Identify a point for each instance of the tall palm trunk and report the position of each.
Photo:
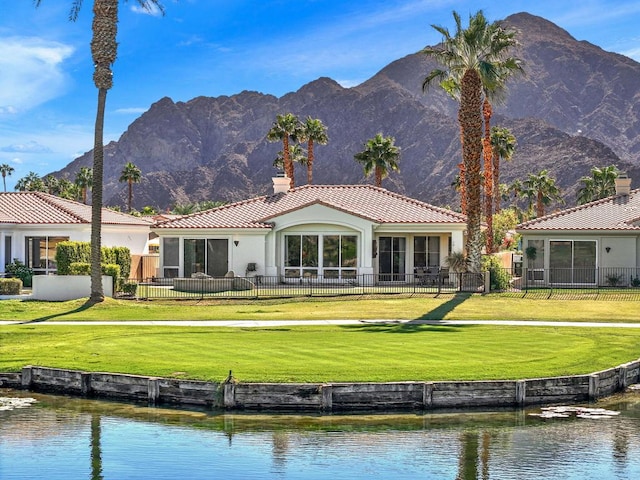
(309, 162)
(103, 51)
(496, 182)
(470, 119)
(130, 182)
(488, 173)
(288, 164)
(378, 176)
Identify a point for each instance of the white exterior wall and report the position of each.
(251, 248)
(134, 238)
(319, 219)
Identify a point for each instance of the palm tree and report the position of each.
(543, 188)
(130, 174)
(296, 155)
(503, 145)
(5, 170)
(104, 49)
(380, 155)
(286, 127)
(313, 131)
(601, 184)
(84, 181)
(31, 183)
(475, 61)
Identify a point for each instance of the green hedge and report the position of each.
(78, 254)
(10, 286)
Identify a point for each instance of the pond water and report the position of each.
(67, 438)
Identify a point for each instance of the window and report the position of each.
(7, 250)
(329, 256)
(301, 256)
(171, 257)
(572, 261)
(41, 253)
(340, 256)
(392, 264)
(206, 255)
(426, 252)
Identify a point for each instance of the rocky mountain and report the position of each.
(576, 107)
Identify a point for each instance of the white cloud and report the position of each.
(30, 72)
(632, 53)
(131, 110)
(149, 9)
(28, 147)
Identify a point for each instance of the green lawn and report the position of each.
(450, 307)
(323, 353)
(357, 353)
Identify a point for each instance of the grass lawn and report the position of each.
(450, 307)
(355, 353)
(328, 353)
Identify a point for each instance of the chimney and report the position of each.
(623, 184)
(281, 184)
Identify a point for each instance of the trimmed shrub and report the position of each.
(80, 268)
(10, 286)
(130, 288)
(113, 271)
(499, 278)
(69, 252)
(19, 270)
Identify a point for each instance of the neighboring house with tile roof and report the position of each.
(327, 232)
(32, 223)
(593, 244)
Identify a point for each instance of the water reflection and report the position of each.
(67, 438)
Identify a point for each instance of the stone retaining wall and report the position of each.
(327, 397)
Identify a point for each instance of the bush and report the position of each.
(499, 278)
(113, 271)
(80, 268)
(71, 252)
(79, 254)
(10, 286)
(130, 288)
(19, 270)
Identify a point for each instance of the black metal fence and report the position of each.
(263, 286)
(617, 283)
(561, 283)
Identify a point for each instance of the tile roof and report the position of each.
(372, 203)
(37, 208)
(616, 213)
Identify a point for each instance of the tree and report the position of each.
(380, 155)
(475, 61)
(31, 183)
(601, 184)
(5, 170)
(104, 49)
(84, 181)
(130, 174)
(296, 155)
(503, 145)
(313, 131)
(543, 188)
(286, 127)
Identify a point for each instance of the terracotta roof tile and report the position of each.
(618, 213)
(37, 208)
(365, 201)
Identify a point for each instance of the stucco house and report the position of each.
(323, 232)
(593, 244)
(32, 224)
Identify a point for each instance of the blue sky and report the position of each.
(222, 47)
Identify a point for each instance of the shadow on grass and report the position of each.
(85, 306)
(427, 322)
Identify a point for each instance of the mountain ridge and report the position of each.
(577, 106)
